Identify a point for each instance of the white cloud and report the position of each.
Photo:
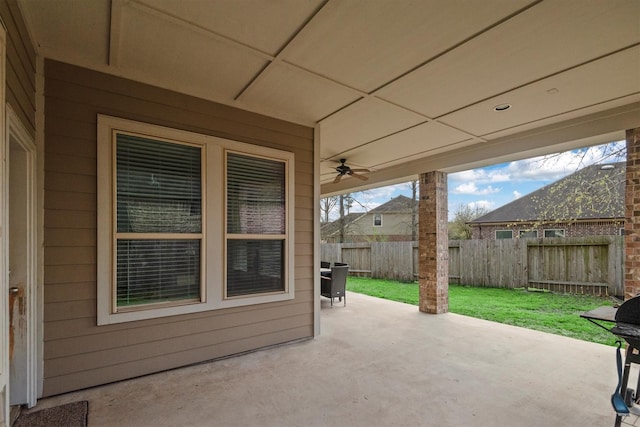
(482, 204)
(516, 194)
(471, 188)
(468, 188)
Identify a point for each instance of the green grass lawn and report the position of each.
(543, 311)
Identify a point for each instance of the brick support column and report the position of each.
(632, 214)
(433, 243)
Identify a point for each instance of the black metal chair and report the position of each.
(335, 286)
(325, 264)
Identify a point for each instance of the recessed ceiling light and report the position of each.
(502, 107)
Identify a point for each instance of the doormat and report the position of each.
(69, 415)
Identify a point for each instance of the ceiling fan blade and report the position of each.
(360, 170)
(337, 180)
(361, 177)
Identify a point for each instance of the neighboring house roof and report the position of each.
(397, 204)
(594, 192)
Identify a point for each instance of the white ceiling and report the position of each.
(397, 86)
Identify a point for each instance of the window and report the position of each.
(255, 225)
(524, 234)
(377, 220)
(158, 238)
(189, 222)
(554, 232)
(504, 234)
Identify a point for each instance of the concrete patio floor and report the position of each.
(378, 363)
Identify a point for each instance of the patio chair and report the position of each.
(325, 264)
(340, 264)
(335, 286)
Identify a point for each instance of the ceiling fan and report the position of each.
(346, 170)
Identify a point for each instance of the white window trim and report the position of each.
(213, 224)
(495, 236)
(374, 220)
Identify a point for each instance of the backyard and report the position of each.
(543, 311)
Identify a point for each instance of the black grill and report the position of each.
(627, 327)
(628, 322)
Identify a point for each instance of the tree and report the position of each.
(327, 205)
(583, 193)
(592, 192)
(337, 208)
(341, 219)
(458, 228)
(414, 210)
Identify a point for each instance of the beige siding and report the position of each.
(80, 354)
(20, 66)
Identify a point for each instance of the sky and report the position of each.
(494, 186)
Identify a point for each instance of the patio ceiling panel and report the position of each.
(365, 44)
(420, 141)
(182, 44)
(624, 106)
(57, 34)
(308, 97)
(558, 35)
(364, 121)
(595, 84)
(265, 25)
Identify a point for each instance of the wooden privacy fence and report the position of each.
(590, 265)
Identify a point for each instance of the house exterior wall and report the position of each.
(631, 207)
(77, 352)
(396, 227)
(20, 66)
(577, 229)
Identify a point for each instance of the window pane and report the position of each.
(255, 195)
(159, 186)
(554, 233)
(151, 271)
(254, 266)
(528, 234)
(504, 234)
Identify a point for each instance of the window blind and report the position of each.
(256, 205)
(255, 195)
(159, 195)
(254, 266)
(152, 271)
(159, 186)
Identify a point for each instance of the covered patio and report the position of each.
(112, 107)
(377, 363)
